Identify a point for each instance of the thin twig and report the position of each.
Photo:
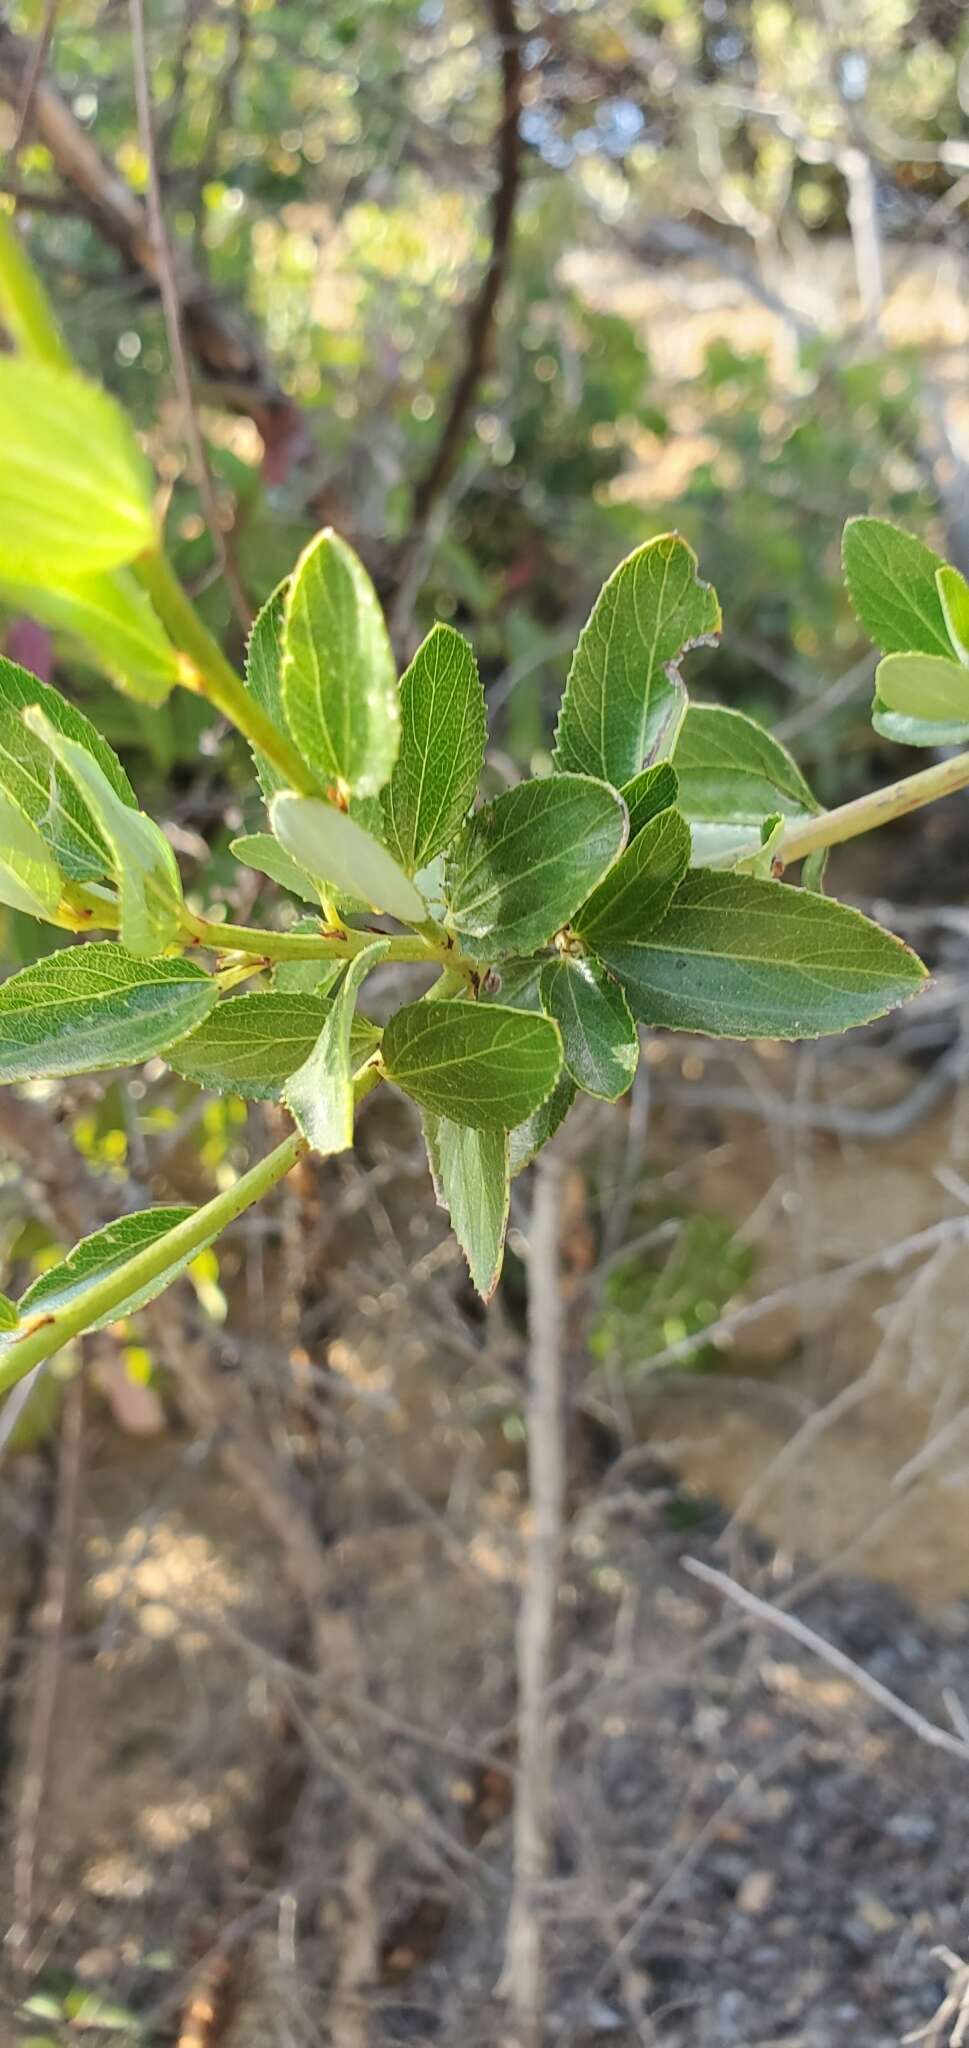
(789, 1625)
(35, 70)
(171, 305)
(483, 308)
(523, 1976)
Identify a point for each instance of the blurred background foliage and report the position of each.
(732, 300)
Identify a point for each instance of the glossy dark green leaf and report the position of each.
(737, 957)
(96, 1006)
(600, 1044)
(75, 489)
(344, 856)
(250, 1045)
(442, 739)
(925, 687)
(142, 862)
(472, 1182)
(637, 892)
(53, 804)
(339, 677)
(890, 579)
(624, 701)
(480, 1064)
(320, 1093)
(525, 862)
(528, 1137)
(732, 775)
(104, 1253)
(647, 794)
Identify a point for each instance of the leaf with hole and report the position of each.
(525, 862)
(890, 579)
(338, 675)
(442, 740)
(250, 1045)
(75, 489)
(738, 957)
(57, 810)
(343, 856)
(624, 701)
(637, 892)
(472, 1181)
(320, 1093)
(480, 1064)
(600, 1045)
(96, 1006)
(732, 775)
(142, 861)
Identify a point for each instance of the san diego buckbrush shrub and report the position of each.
(641, 883)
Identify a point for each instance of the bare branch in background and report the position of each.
(480, 318)
(523, 1976)
(32, 78)
(225, 352)
(168, 286)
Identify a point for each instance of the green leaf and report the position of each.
(600, 1043)
(261, 851)
(647, 794)
(111, 616)
(478, 1063)
(30, 879)
(737, 957)
(75, 489)
(9, 1317)
(890, 578)
(761, 861)
(954, 598)
(624, 701)
(144, 865)
(472, 1182)
(924, 687)
(103, 1253)
(732, 775)
(525, 862)
(442, 741)
(264, 664)
(320, 1093)
(917, 732)
(528, 1137)
(61, 816)
(96, 1006)
(344, 856)
(250, 1045)
(339, 678)
(637, 892)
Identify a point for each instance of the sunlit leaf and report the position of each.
(338, 677)
(75, 489)
(524, 863)
(442, 738)
(343, 856)
(890, 578)
(320, 1093)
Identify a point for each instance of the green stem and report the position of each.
(208, 671)
(24, 305)
(51, 1331)
(241, 938)
(865, 813)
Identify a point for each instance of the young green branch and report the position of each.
(880, 807)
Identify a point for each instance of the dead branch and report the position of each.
(789, 1625)
(480, 317)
